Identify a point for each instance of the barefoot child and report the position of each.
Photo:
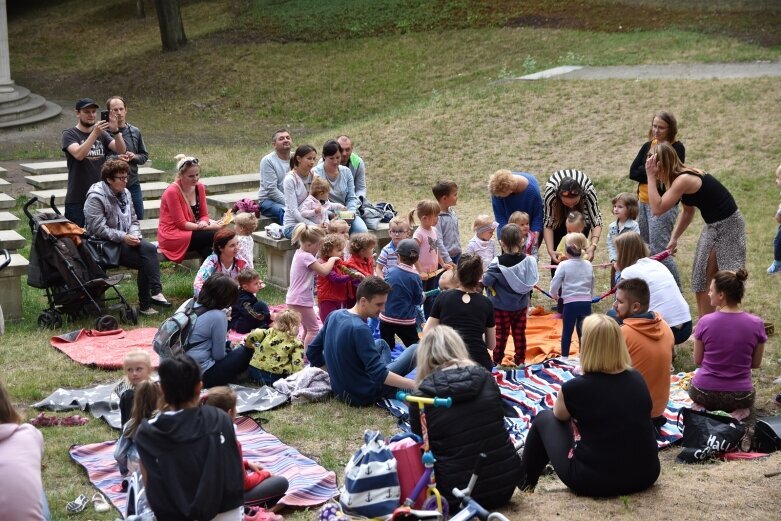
(245, 224)
(401, 309)
(300, 294)
(509, 280)
(528, 237)
(625, 208)
(260, 487)
(398, 227)
(482, 242)
(249, 313)
(574, 284)
(278, 351)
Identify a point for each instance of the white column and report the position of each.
(6, 83)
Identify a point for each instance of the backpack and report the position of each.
(371, 485)
(388, 211)
(173, 336)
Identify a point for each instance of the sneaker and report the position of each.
(148, 311)
(774, 268)
(160, 300)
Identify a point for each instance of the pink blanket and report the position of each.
(105, 349)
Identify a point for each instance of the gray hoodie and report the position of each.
(509, 287)
(105, 217)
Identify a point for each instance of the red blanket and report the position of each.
(105, 349)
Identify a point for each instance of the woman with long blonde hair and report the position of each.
(722, 242)
(473, 424)
(599, 436)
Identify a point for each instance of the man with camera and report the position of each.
(85, 147)
(136, 151)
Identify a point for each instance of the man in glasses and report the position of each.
(273, 169)
(85, 147)
(136, 153)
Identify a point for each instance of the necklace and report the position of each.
(466, 298)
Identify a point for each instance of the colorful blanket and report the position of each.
(528, 391)
(105, 349)
(102, 402)
(310, 484)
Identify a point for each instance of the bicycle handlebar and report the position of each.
(422, 400)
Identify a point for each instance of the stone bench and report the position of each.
(11, 287)
(54, 167)
(231, 183)
(60, 180)
(279, 254)
(151, 208)
(153, 190)
(6, 202)
(4, 185)
(8, 221)
(11, 240)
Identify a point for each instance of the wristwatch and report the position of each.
(115, 132)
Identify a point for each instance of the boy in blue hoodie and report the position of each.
(401, 309)
(509, 280)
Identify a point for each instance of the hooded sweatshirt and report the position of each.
(21, 450)
(105, 217)
(510, 279)
(458, 434)
(650, 344)
(193, 467)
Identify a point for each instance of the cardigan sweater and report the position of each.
(172, 236)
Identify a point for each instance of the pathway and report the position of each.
(680, 71)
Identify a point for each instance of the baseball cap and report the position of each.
(86, 102)
(408, 248)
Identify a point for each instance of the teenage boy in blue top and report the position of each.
(359, 367)
(401, 309)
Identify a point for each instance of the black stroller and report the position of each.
(62, 263)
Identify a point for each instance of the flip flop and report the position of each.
(45, 421)
(77, 505)
(71, 421)
(100, 503)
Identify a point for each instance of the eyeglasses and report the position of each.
(121, 178)
(398, 231)
(188, 163)
(569, 194)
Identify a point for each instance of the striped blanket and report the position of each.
(528, 391)
(310, 484)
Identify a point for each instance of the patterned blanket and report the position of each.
(528, 391)
(310, 484)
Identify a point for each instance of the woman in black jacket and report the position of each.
(473, 424)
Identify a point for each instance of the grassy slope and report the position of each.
(421, 105)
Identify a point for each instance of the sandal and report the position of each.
(71, 421)
(45, 421)
(100, 503)
(77, 505)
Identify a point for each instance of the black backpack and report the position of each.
(173, 335)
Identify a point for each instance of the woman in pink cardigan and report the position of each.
(184, 218)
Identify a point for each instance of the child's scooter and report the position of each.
(470, 508)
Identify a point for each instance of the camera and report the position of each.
(104, 115)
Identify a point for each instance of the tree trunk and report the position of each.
(140, 10)
(171, 26)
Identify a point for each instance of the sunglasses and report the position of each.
(187, 164)
(569, 194)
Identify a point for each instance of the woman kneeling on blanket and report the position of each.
(598, 437)
(190, 459)
(474, 423)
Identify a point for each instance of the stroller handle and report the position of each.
(421, 400)
(6, 258)
(27, 206)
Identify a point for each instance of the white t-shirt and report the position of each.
(666, 298)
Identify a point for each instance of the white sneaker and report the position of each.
(148, 311)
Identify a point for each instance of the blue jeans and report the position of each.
(682, 332)
(777, 246)
(403, 365)
(138, 200)
(358, 226)
(272, 210)
(75, 212)
(574, 313)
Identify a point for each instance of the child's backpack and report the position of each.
(371, 485)
(173, 336)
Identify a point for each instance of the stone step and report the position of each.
(35, 109)
(45, 167)
(231, 183)
(60, 180)
(6, 202)
(151, 208)
(4, 185)
(150, 191)
(3, 172)
(11, 240)
(11, 287)
(9, 221)
(149, 228)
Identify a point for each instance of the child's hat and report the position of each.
(408, 248)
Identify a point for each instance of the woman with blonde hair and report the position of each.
(473, 424)
(599, 436)
(722, 242)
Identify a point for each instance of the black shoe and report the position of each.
(159, 300)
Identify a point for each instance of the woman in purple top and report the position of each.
(728, 344)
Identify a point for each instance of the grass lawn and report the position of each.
(417, 92)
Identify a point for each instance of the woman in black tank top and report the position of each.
(722, 242)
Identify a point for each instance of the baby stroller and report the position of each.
(62, 263)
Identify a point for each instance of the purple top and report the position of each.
(729, 340)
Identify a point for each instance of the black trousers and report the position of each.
(408, 334)
(201, 243)
(144, 259)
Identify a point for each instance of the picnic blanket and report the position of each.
(528, 391)
(105, 349)
(103, 403)
(310, 484)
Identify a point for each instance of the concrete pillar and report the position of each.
(6, 83)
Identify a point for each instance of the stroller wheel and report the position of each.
(49, 320)
(129, 315)
(106, 323)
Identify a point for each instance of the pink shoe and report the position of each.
(260, 514)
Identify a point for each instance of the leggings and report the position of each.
(574, 313)
(225, 370)
(266, 493)
(407, 333)
(308, 321)
(505, 322)
(201, 242)
(325, 307)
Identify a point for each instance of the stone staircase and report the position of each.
(20, 107)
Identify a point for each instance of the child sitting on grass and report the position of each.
(398, 228)
(249, 313)
(245, 225)
(528, 237)
(316, 207)
(482, 242)
(574, 284)
(278, 351)
(138, 368)
(146, 401)
(401, 308)
(261, 489)
(509, 281)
